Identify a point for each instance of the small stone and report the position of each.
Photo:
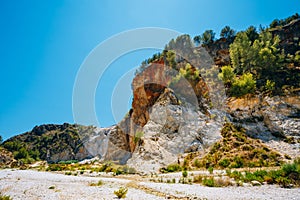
(255, 183)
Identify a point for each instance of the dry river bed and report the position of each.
(31, 184)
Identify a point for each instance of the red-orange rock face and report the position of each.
(147, 87)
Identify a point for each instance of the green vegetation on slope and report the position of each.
(44, 141)
(234, 150)
(258, 61)
(237, 150)
(287, 176)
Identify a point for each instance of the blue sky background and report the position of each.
(43, 44)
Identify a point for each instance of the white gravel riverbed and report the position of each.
(30, 184)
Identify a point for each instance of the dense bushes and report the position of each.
(287, 176)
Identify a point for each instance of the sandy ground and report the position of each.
(30, 184)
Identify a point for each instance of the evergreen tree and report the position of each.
(208, 37)
(227, 32)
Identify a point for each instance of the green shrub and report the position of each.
(118, 171)
(138, 136)
(238, 162)
(67, 161)
(224, 162)
(12, 145)
(128, 170)
(5, 197)
(287, 169)
(243, 85)
(121, 192)
(105, 167)
(251, 177)
(288, 175)
(283, 181)
(227, 75)
(99, 183)
(197, 163)
(210, 182)
(68, 173)
(54, 167)
(210, 170)
(21, 153)
(236, 175)
(171, 168)
(184, 173)
(270, 86)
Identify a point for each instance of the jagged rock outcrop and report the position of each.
(289, 36)
(107, 143)
(6, 158)
(173, 128)
(147, 87)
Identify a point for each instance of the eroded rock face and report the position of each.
(107, 144)
(283, 116)
(277, 115)
(271, 119)
(172, 129)
(147, 87)
(6, 158)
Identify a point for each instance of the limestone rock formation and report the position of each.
(172, 129)
(271, 119)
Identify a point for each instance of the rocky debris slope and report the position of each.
(274, 120)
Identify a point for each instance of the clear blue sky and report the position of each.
(43, 44)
